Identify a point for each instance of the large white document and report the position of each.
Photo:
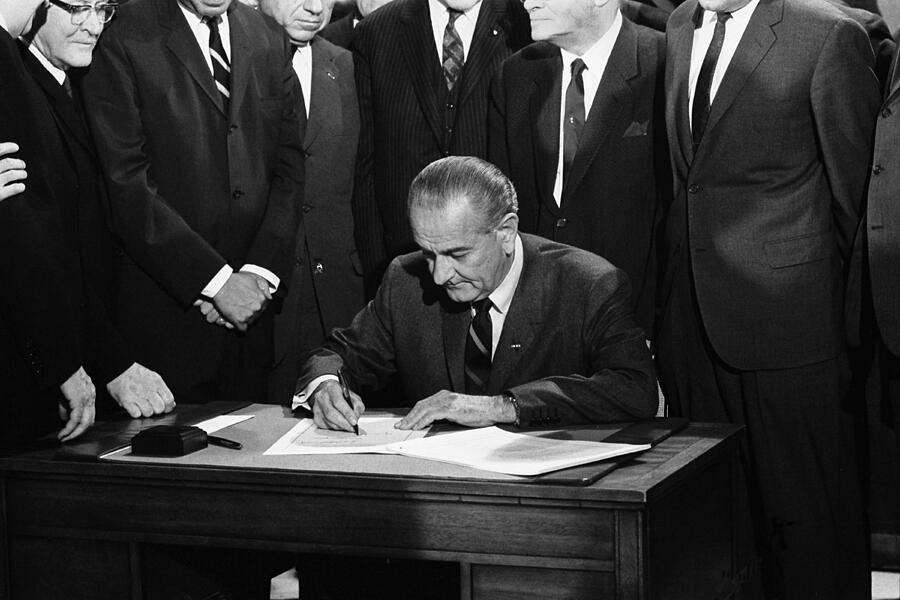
(375, 435)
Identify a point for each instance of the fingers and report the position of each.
(166, 395)
(423, 414)
(331, 411)
(81, 417)
(212, 316)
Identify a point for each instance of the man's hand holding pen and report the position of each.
(331, 410)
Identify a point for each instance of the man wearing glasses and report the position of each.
(54, 329)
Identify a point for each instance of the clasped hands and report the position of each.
(331, 411)
(241, 301)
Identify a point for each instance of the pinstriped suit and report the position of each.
(400, 85)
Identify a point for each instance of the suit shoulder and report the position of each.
(332, 50)
(384, 17)
(570, 265)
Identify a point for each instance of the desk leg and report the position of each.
(4, 547)
(465, 581)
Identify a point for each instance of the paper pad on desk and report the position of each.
(493, 449)
(376, 436)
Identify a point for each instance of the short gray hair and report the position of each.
(457, 178)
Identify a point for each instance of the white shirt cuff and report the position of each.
(266, 274)
(216, 284)
(302, 399)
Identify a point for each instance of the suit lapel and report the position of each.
(612, 96)
(755, 43)
(65, 111)
(893, 79)
(522, 322)
(544, 108)
(683, 42)
(241, 56)
(420, 55)
(324, 103)
(182, 43)
(485, 50)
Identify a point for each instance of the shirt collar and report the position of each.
(502, 296)
(58, 74)
(3, 23)
(438, 10)
(195, 20)
(597, 55)
(741, 15)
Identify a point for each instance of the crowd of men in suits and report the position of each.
(198, 202)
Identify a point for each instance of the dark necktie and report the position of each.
(700, 111)
(573, 122)
(220, 64)
(452, 57)
(67, 86)
(478, 348)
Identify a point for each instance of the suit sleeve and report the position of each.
(845, 99)
(368, 229)
(621, 384)
(273, 246)
(365, 349)
(154, 235)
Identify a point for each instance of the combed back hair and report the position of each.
(455, 178)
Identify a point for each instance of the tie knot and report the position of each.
(482, 306)
(721, 17)
(213, 22)
(454, 14)
(578, 67)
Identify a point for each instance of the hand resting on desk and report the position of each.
(331, 411)
(470, 411)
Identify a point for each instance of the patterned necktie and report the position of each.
(220, 64)
(452, 56)
(700, 111)
(478, 348)
(573, 122)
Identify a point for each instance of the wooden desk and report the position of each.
(659, 527)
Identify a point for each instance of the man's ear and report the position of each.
(507, 231)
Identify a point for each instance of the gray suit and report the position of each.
(325, 287)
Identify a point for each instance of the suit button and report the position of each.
(319, 268)
(450, 130)
(445, 153)
(877, 169)
(450, 106)
(560, 223)
(299, 261)
(307, 208)
(306, 154)
(695, 188)
(232, 128)
(237, 194)
(886, 113)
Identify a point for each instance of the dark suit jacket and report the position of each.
(579, 352)
(769, 205)
(43, 320)
(76, 161)
(882, 220)
(324, 252)
(193, 187)
(340, 32)
(610, 203)
(401, 99)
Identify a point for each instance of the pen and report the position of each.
(346, 392)
(224, 443)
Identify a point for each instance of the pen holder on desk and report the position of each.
(168, 440)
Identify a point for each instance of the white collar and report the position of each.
(502, 296)
(58, 74)
(596, 57)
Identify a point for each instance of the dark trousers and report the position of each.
(801, 491)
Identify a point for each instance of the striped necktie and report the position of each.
(452, 56)
(220, 64)
(703, 90)
(478, 348)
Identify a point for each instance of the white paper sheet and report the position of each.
(375, 435)
(500, 451)
(209, 426)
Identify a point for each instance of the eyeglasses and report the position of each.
(81, 12)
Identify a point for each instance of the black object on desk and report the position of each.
(169, 440)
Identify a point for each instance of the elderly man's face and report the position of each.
(564, 23)
(65, 43)
(206, 8)
(464, 259)
(301, 19)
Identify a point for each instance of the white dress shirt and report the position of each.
(501, 298)
(58, 74)
(595, 60)
(465, 26)
(201, 33)
(734, 30)
(302, 63)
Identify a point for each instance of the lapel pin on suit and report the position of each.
(494, 32)
(330, 74)
(515, 347)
